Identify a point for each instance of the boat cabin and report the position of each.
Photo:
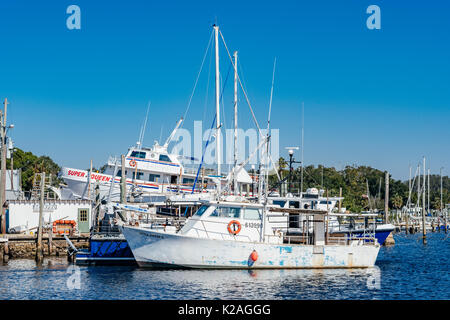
(245, 222)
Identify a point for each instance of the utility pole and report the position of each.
(39, 253)
(123, 182)
(424, 232)
(89, 185)
(3, 165)
(386, 197)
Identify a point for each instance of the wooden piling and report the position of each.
(5, 252)
(407, 223)
(50, 238)
(386, 198)
(39, 253)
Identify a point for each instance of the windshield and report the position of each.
(201, 211)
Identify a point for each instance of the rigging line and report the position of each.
(207, 86)
(203, 155)
(268, 117)
(221, 95)
(209, 137)
(248, 102)
(141, 140)
(196, 80)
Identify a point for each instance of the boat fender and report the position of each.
(254, 256)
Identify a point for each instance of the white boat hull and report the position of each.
(153, 248)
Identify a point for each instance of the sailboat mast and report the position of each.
(235, 55)
(303, 148)
(218, 142)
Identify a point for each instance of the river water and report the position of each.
(408, 270)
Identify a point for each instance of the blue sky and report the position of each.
(372, 97)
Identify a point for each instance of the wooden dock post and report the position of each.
(5, 254)
(407, 222)
(386, 198)
(39, 253)
(50, 235)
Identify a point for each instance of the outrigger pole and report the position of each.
(166, 144)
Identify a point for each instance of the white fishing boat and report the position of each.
(240, 235)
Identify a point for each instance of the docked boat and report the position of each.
(240, 234)
(151, 174)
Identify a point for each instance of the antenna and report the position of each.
(144, 125)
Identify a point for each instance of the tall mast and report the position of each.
(441, 207)
(218, 142)
(428, 195)
(409, 190)
(303, 148)
(235, 122)
(424, 230)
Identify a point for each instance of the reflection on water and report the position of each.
(407, 271)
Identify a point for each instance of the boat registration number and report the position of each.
(252, 225)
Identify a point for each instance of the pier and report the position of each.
(16, 246)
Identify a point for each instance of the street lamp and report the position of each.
(291, 161)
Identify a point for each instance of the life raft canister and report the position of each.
(234, 227)
(133, 163)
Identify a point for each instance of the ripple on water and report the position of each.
(408, 270)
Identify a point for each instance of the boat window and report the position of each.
(173, 179)
(226, 212)
(325, 202)
(138, 154)
(252, 214)
(119, 173)
(201, 211)
(280, 203)
(163, 157)
(294, 204)
(153, 177)
(138, 175)
(188, 181)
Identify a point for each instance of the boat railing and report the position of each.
(222, 235)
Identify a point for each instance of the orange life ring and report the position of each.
(234, 231)
(133, 163)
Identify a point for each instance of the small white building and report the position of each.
(13, 188)
(23, 215)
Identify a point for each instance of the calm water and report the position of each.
(408, 270)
